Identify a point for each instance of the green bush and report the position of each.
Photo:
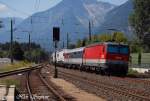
(9, 82)
(18, 65)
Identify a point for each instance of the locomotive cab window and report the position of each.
(115, 49)
(124, 50)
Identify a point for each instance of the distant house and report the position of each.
(4, 60)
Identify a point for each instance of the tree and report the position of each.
(140, 18)
(37, 55)
(71, 46)
(134, 45)
(119, 37)
(18, 53)
(79, 43)
(82, 43)
(1, 54)
(95, 39)
(21, 51)
(1, 24)
(105, 37)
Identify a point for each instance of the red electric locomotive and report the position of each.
(108, 58)
(105, 58)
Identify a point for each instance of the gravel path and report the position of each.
(79, 94)
(126, 83)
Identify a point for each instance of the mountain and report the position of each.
(5, 30)
(72, 16)
(6, 22)
(118, 19)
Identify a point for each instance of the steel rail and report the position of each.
(103, 86)
(9, 73)
(51, 88)
(30, 96)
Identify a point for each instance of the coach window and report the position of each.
(76, 55)
(80, 54)
(72, 55)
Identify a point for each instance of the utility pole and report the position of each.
(30, 32)
(29, 47)
(62, 22)
(63, 44)
(11, 43)
(67, 40)
(56, 71)
(29, 41)
(90, 37)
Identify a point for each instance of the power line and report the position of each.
(37, 5)
(14, 9)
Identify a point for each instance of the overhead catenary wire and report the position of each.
(14, 9)
(37, 5)
(35, 19)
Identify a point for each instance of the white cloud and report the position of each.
(3, 7)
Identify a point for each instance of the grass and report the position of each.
(145, 58)
(9, 82)
(135, 74)
(132, 72)
(15, 66)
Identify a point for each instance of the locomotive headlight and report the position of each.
(102, 56)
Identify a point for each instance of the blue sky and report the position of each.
(24, 8)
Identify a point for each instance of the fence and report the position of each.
(145, 60)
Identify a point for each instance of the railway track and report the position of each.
(122, 91)
(40, 82)
(35, 83)
(30, 95)
(9, 73)
(146, 82)
(51, 88)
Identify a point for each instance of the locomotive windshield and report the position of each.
(118, 49)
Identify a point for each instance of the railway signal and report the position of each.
(56, 32)
(56, 35)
